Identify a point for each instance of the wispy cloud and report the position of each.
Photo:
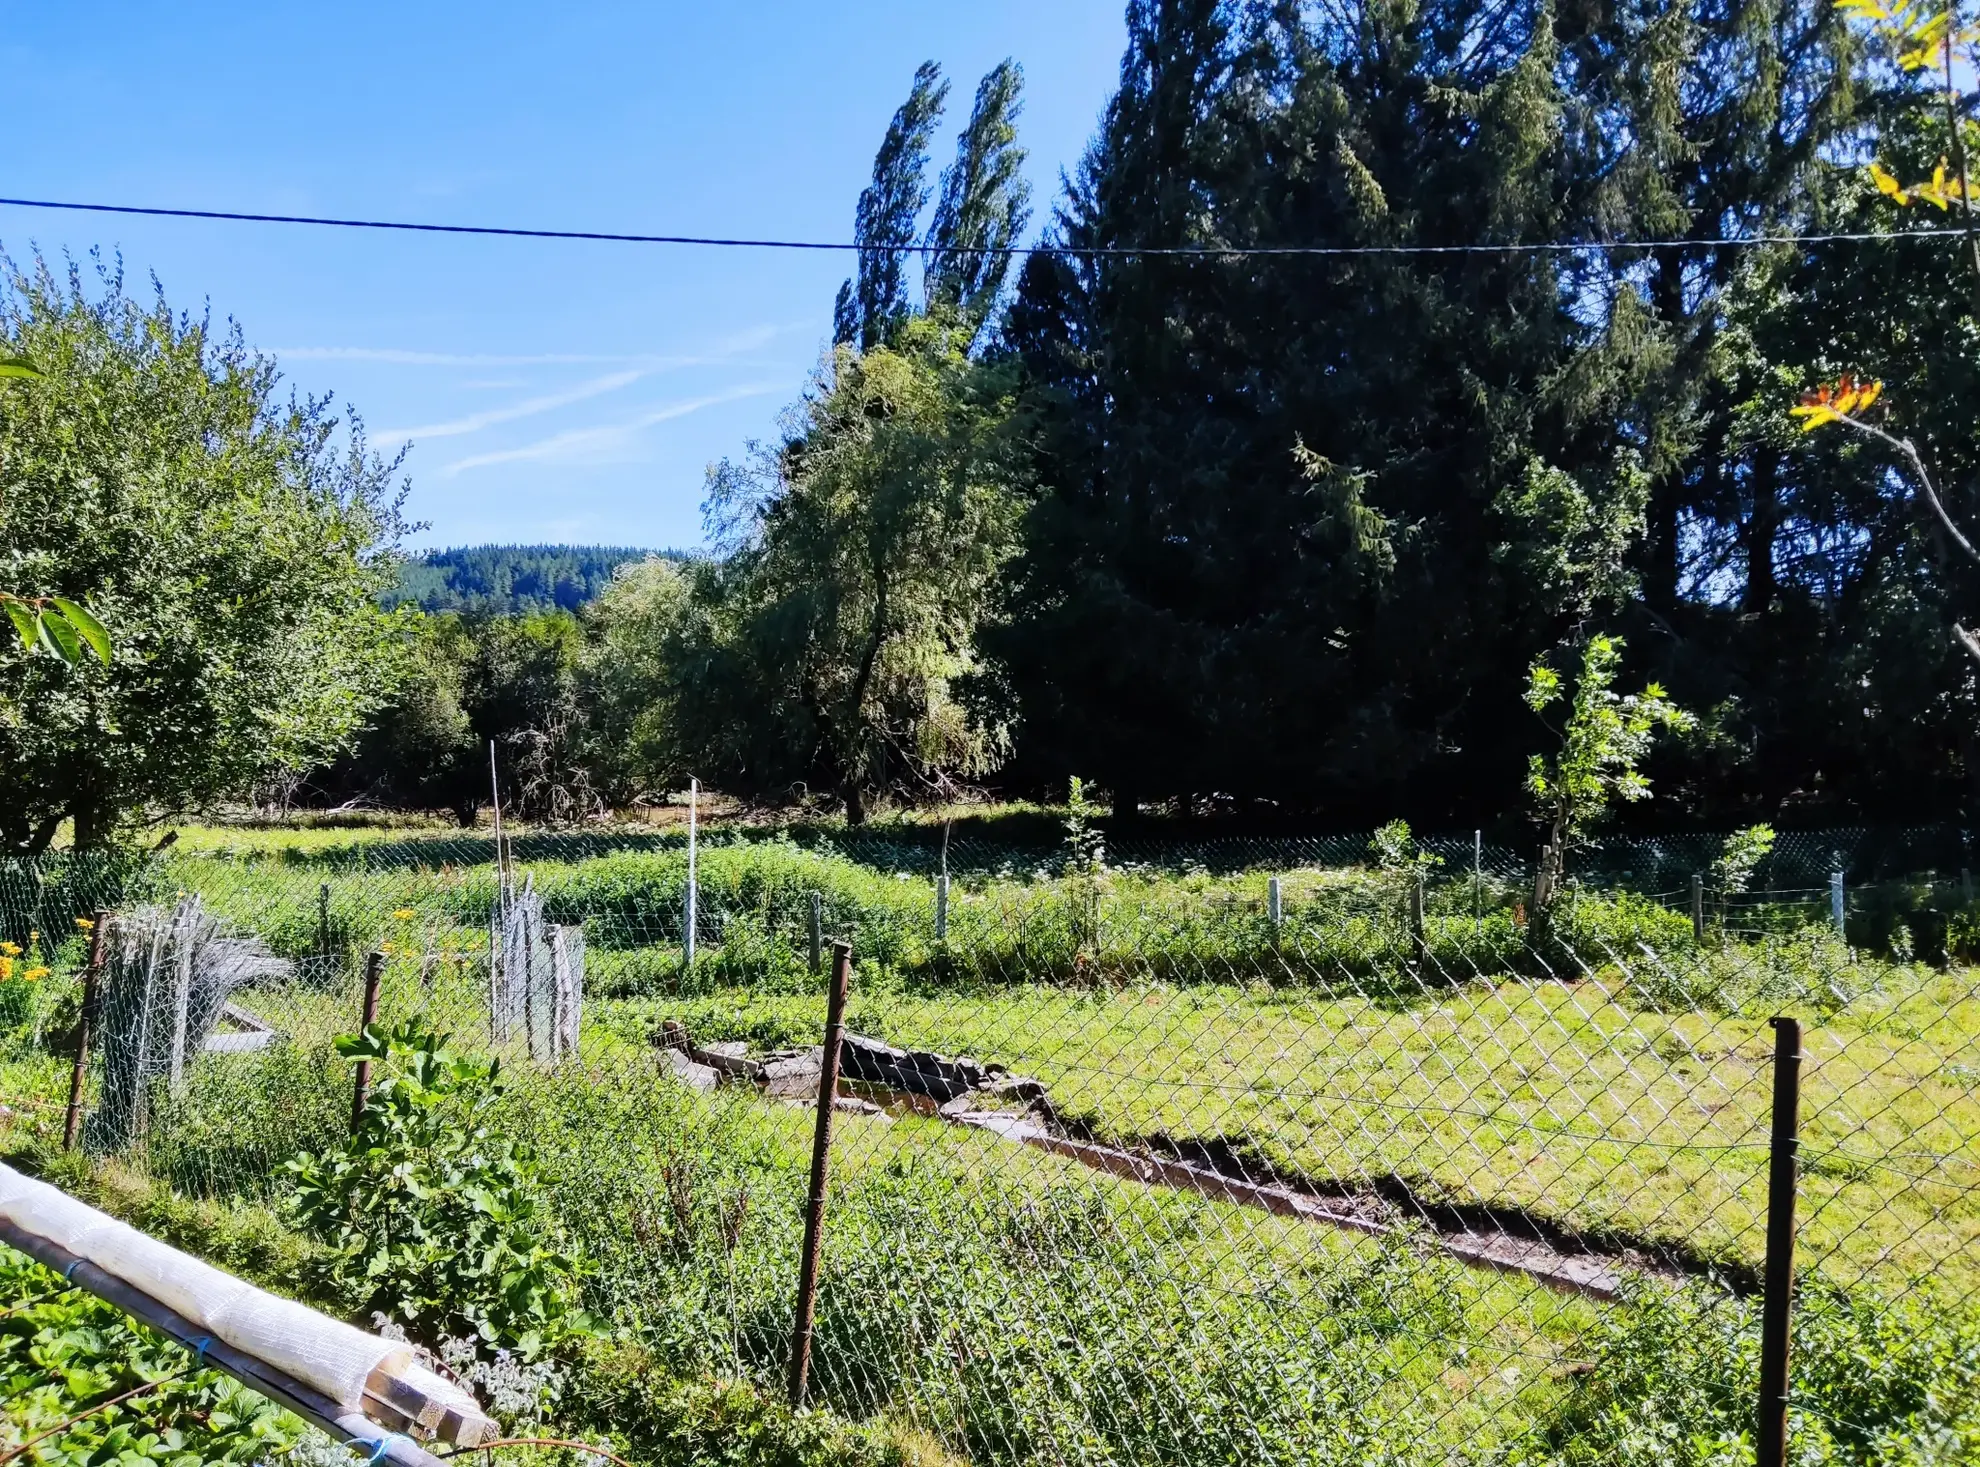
(397, 357)
(606, 436)
(528, 408)
(723, 351)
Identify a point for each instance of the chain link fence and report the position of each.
(1211, 1156)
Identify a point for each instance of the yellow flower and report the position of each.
(84, 923)
(11, 949)
(6, 969)
(404, 914)
(385, 948)
(33, 975)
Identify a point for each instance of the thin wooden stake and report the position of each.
(821, 1153)
(78, 1077)
(1698, 910)
(374, 973)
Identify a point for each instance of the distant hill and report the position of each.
(512, 578)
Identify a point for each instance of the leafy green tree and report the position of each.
(641, 636)
(53, 623)
(842, 630)
(234, 542)
(422, 750)
(872, 305)
(522, 695)
(1603, 741)
(1701, 123)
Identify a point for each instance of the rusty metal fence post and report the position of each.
(79, 1076)
(821, 1151)
(1419, 941)
(1770, 1434)
(374, 973)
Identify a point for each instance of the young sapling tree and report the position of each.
(1603, 740)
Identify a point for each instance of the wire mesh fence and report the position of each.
(1191, 1162)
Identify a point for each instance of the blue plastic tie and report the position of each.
(380, 1447)
(200, 1347)
(70, 1270)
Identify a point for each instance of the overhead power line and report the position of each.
(1076, 251)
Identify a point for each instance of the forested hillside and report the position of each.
(1367, 362)
(507, 579)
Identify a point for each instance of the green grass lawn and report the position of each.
(1563, 1099)
(1007, 1301)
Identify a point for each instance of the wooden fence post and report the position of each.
(374, 973)
(79, 1076)
(821, 1153)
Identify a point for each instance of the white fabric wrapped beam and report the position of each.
(319, 1351)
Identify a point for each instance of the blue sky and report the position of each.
(552, 391)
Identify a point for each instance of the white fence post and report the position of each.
(1836, 898)
(942, 907)
(1274, 907)
(694, 797)
(1477, 883)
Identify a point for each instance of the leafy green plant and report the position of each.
(1877, 1383)
(1395, 850)
(65, 1358)
(1604, 739)
(1086, 864)
(432, 1217)
(1740, 858)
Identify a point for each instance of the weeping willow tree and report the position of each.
(836, 645)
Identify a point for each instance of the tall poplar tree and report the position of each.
(872, 305)
(984, 203)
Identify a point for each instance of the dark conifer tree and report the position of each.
(1305, 517)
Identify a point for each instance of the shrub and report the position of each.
(432, 1218)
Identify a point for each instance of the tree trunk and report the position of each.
(1762, 526)
(1661, 557)
(38, 840)
(91, 829)
(854, 730)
